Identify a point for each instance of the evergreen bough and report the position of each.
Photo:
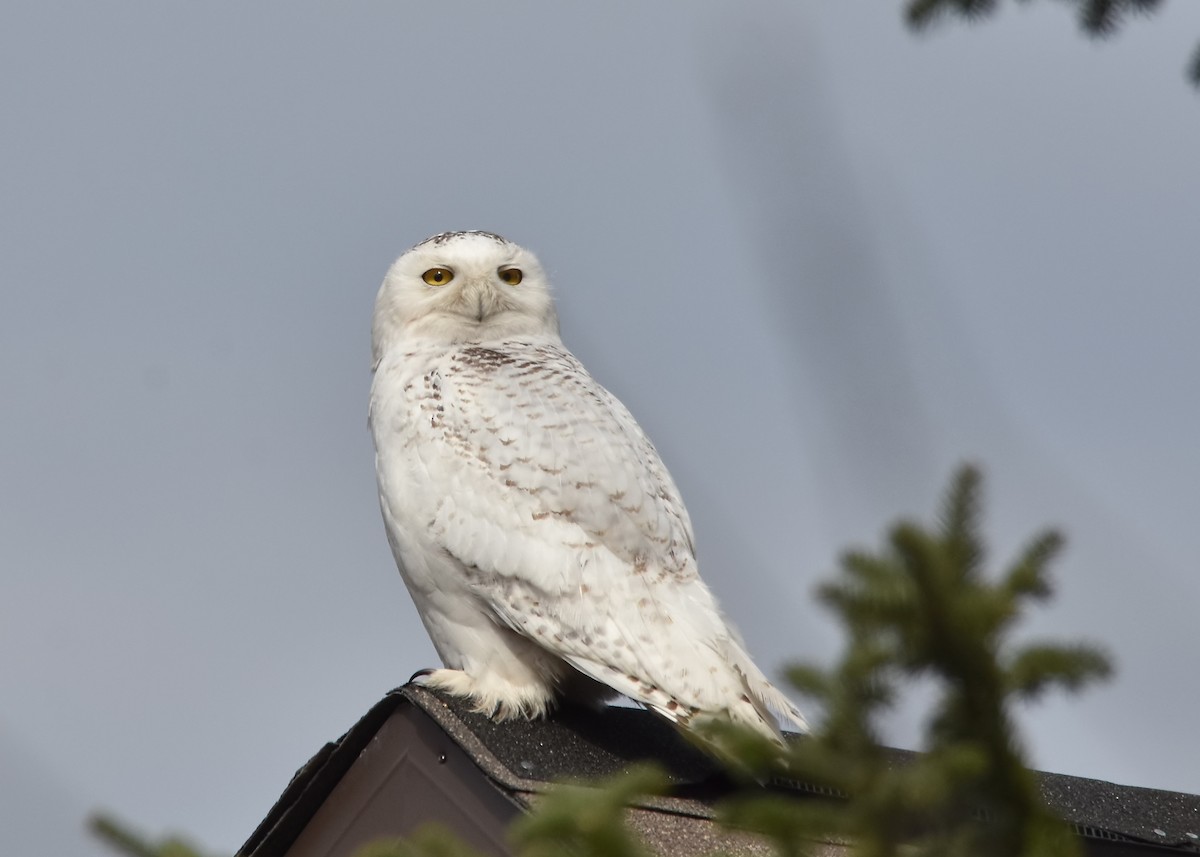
(923, 608)
(1097, 18)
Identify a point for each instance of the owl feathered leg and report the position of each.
(512, 679)
(500, 700)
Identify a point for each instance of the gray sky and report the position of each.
(821, 259)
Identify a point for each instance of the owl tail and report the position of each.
(764, 705)
(761, 707)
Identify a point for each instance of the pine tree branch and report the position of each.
(123, 839)
(1097, 18)
(1036, 668)
(431, 840)
(588, 821)
(1027, 576)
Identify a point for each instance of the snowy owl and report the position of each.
(534, 524)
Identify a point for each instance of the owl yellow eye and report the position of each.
(438, 276)
(512, 276)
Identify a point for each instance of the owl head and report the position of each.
(462, 287)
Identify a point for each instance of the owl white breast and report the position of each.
(538, 531)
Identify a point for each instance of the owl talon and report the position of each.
(493, 696)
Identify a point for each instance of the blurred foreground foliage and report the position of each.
(921, 607)
(123, 839)
(1097, 18)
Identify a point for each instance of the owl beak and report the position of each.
(481, 301)
(473, 301)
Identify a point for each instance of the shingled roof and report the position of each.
(418, 756)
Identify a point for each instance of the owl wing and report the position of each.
(573, 533)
